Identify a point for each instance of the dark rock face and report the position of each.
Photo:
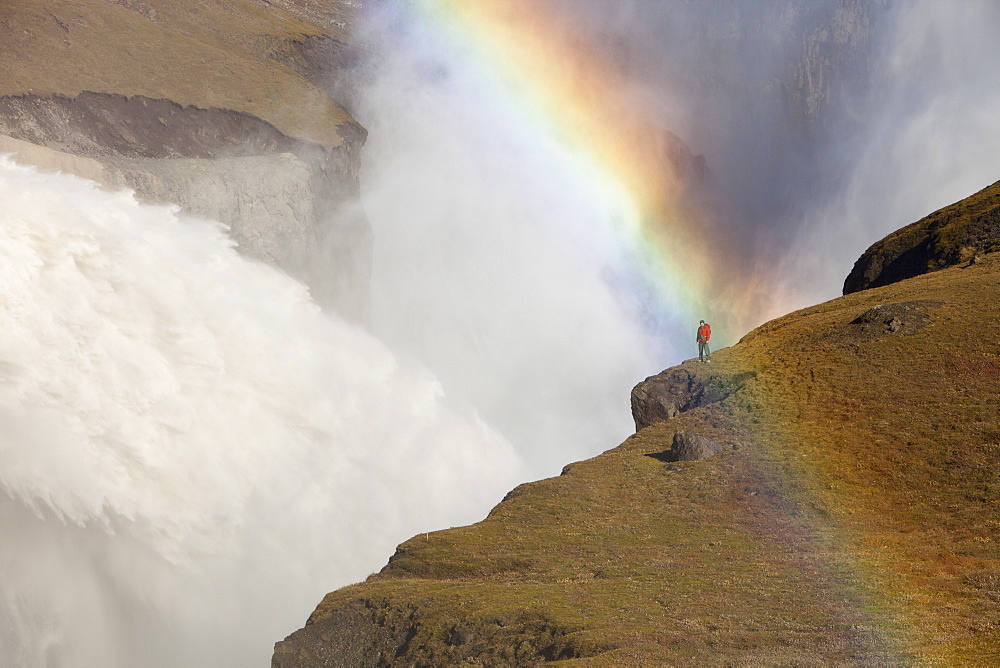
(951, 236)
(655, 399)
(365, 633)
(675, 390)
(692, 447)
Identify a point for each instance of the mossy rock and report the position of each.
(957, 234)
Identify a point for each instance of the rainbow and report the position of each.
(547, 77)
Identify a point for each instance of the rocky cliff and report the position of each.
(825, 492)
(956, 234)
(224, 108)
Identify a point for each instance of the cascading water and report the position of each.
(190, 452)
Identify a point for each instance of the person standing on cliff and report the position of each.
(704, 334)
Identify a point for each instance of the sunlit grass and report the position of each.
(856, 519)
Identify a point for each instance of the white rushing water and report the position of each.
(191, 454)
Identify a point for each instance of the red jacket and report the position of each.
(704, 332)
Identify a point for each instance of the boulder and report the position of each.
(692, 447)
(678, 389)
(653, 402)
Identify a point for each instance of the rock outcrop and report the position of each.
(680, 389)
(363, 634)
(692, 447)
(905, 318)
(957, 234)
(373, 632)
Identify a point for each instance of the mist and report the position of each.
(825, 125)
(192, 453)
(929, 137)
(491, 264)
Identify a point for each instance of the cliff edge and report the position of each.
(844, 511)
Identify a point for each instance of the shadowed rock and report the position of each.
(373, 631)
(363, 633)
(678, 389)
(956, 234)
(692, 447)
(100, 125)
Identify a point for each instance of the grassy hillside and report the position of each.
(854, 516)
(230, 54)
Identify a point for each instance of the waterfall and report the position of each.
(191, 452)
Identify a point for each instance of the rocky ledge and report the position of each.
(683, 388)
(955, 235)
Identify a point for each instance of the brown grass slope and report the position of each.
(227, 54)
(854, 518)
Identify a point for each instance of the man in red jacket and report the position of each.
(704, 334)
